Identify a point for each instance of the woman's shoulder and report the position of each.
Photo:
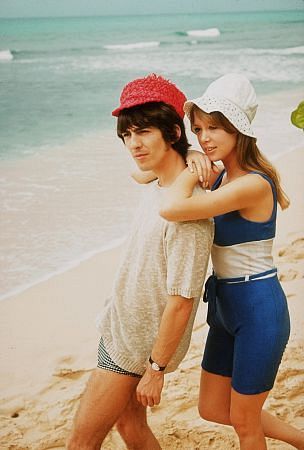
(261, 178)
(244, 190)
(254, 179)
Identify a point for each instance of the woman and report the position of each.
(247, 309)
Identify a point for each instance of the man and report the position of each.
(147, 323)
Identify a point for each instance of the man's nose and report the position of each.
(134, 140)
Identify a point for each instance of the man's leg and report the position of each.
(133, 427)
(105, 398)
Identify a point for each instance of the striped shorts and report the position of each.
(106, 363)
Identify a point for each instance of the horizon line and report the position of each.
(77, 16)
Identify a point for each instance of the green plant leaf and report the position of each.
(297, 116)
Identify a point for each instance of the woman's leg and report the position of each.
(215, 398)
(245, 417)
(215, 405)
(218, 403)
(277, 429)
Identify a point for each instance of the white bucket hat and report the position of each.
(234, 96)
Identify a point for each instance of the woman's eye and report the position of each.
(196, 130)
(212, 127)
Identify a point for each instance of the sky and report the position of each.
(50, 8)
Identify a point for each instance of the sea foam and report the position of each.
(6, 55)
(136, 45)
(275, 51)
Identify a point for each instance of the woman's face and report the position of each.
(217, 143)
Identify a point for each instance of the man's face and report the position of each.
(147, 147)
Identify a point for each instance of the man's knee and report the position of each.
(132, 426)
(72, 443)
(76, 442)
(79, 439)
(130, 429)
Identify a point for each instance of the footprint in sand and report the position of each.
(64, 368)
(290, 257)
(294, 251)
(290, 274)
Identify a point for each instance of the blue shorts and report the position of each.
(249, 329)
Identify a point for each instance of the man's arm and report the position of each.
(172, 327)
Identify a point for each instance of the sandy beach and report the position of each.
(48, 347)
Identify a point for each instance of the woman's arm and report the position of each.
(242, 193)
(197, 162)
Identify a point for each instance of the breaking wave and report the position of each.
(6, 55)
(134, 46)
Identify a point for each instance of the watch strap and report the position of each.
(155, 366)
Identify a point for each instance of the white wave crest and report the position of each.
(136, 45)
(209, 32)
(263, 51)
(282, 51)
(6, 55)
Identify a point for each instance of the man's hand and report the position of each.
(149, 388)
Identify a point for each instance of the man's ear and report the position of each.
(178, 133)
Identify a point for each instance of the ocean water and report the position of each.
(64, 186)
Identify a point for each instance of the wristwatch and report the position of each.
(155, 366)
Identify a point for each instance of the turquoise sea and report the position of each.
(65, 190)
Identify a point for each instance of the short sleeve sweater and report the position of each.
(161, 258)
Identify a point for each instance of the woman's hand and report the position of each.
(199, 162)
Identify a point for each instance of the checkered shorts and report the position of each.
(106, 363)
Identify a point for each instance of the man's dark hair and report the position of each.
(158, 115)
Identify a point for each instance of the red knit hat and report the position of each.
(153, 88)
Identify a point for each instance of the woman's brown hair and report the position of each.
(248, 154)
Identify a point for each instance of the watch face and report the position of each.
(155, 366)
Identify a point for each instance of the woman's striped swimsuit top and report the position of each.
(241, 246)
